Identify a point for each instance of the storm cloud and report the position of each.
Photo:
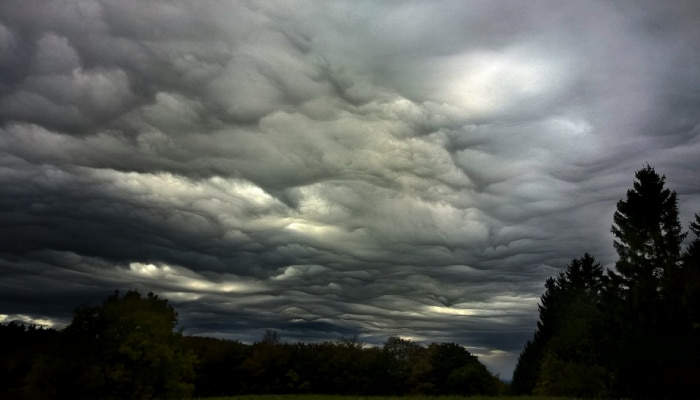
(332, 168)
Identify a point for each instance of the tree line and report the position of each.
(632, 331)
(128, 348)
(341, 367)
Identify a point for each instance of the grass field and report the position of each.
(324, 397)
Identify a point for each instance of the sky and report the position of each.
(333, 168)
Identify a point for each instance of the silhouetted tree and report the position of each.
(217, 367)
(527, 369)
(681, 362)
(125, 348)
(21, 346)
(563, 357)
(268, 365)
(571, 365)
(690, 276)
(456, 371)
(401, 355)
(347, 357)
(271, 337)
(648, 238)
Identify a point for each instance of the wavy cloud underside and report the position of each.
(331, 169)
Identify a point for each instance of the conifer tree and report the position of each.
(648, 235)
(562, 358)
(648, 239)
(691, 277)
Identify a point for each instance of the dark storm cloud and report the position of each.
(330, 169)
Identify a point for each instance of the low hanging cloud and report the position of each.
(332, 169)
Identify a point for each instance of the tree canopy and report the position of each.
(631, 331)
(126, 348)
(564, 348)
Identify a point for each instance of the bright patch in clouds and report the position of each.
(29, 320)
(178, 278)
(491, 83)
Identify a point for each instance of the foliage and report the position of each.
(648, 285)
(564, 346)
(527, 369)
(341, 367)
(125, 348)
(634, 331)
(20, 346)
(456, 371)
(647, 231)
(217, 370)
(402, 356)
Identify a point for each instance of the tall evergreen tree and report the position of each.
(648, 239)
(691, 277)
(683, 364)
(634, 332)
(648, 235)
(527, 369)
(563, 357)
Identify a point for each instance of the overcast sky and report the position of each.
(332, 168)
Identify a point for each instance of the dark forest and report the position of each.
(127, 349)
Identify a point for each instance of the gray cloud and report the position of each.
(329, 169)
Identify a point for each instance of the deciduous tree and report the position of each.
(127, 348)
